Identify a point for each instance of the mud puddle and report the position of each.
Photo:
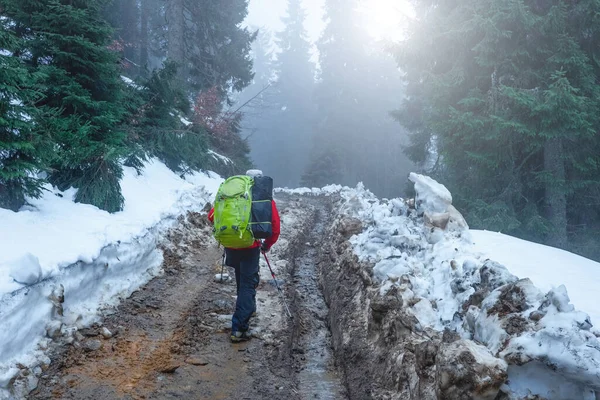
(318, 377)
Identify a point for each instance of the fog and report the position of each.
(318, 111)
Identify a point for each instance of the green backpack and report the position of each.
(233, 205)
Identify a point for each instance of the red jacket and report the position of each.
(275, 225)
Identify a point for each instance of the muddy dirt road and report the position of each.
(170, 340)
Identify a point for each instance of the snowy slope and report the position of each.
(56, 248)
(546, 266)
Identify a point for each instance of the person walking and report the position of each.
(245, 262)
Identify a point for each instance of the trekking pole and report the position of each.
(222, 265)
(278, 288)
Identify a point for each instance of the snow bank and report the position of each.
(447, 280)
(57, 246)
(58, 232)
(546, 266)
(325, 191)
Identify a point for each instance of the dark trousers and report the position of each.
(247, 277)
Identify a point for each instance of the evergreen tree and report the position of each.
(157, 109)
(324, 170)
(204, 45)
(207, 41)
(258, 101)
(508, 92)
(131, 33)
(359, 85)
(22, 142)
(69, 39)
(292, 123)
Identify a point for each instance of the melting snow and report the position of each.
(446, 266)
(546, 266)
(96, 257)
(55, 244)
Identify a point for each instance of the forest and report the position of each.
(497, 99)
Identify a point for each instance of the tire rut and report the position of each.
(310, 341)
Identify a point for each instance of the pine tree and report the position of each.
(207, 41)
(324, 168)
(508, 92)
(22, 141)
(157, 107)
(359, 85)
(292, 123)
(258, 102)
(69, 38)
(125, 16)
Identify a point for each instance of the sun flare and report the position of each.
(383, 18)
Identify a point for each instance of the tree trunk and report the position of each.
(129, 23)
(556, 196)
(144, 33)
(175, 14)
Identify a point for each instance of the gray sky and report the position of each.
(268, 13)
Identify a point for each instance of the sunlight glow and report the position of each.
(383, 18)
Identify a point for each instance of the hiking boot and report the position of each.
(237, 337)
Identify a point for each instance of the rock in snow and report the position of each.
(466, 370)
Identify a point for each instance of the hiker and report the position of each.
(245, 261)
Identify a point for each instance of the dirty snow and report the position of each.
(47, 247)
(96, 257)
(546, 266)
(444, 268)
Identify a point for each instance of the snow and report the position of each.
(24, 117)
(547, 267)
(54, 244)
(129, 82)
(26, 270)
(438, 266)
(324, 191)
(5, 53)
(185, 121)
(431, 196)
(55, 223)
(534, 378)
(220, 157)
